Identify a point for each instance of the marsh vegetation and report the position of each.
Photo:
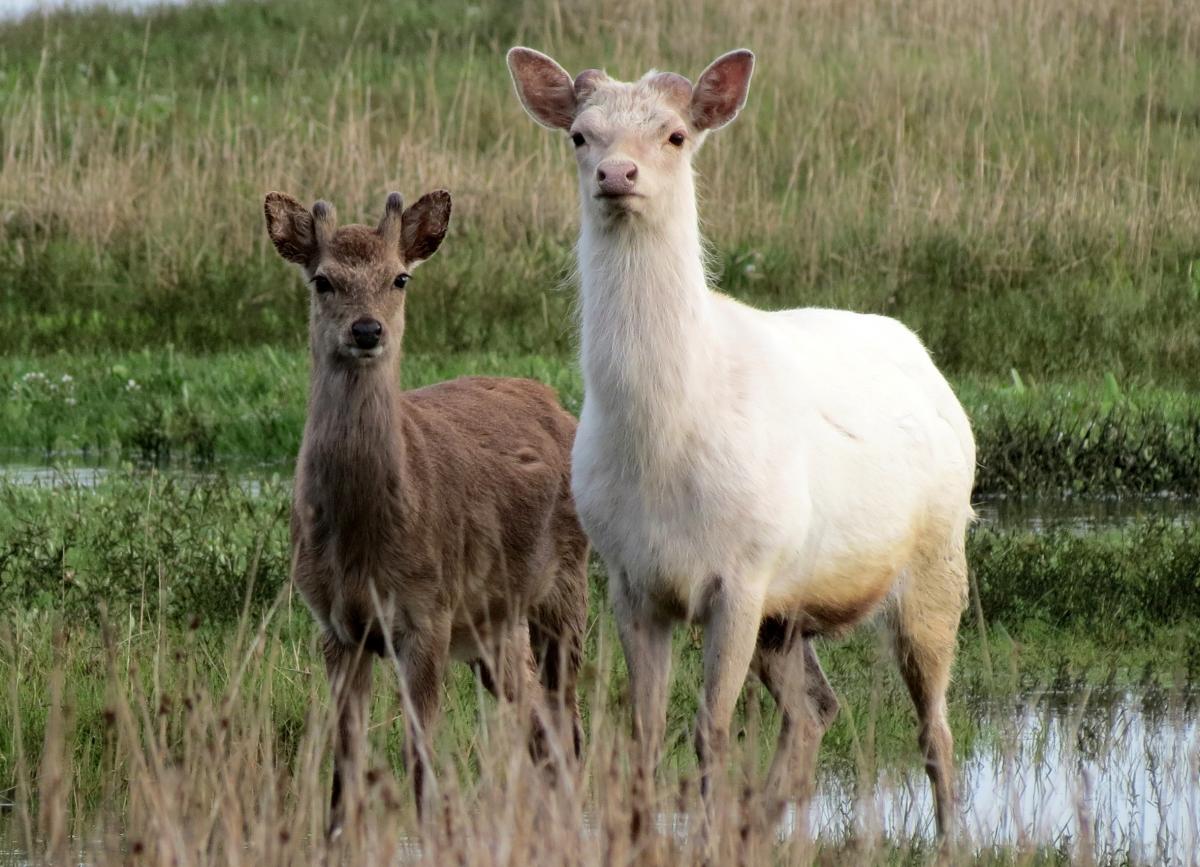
(1015, 180)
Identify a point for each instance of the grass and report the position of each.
(154, 740)
(1086, 438)
(146, 544)
(1016, 181)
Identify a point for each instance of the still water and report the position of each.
(1079, 515)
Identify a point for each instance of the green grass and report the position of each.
(205, 544)
(1028, 205)
(1094, 438)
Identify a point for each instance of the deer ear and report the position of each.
(545, 88)
(291, 228)
(721, 90)
(424, 226)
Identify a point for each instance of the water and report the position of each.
(1124, 774)
(1082, 515)
(1079, 515)
(35, 469)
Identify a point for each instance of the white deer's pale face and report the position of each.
(634, 148)
(634, 140)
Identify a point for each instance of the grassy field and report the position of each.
(1019, 182)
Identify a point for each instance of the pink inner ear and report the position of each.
(721, 91)
(547, 90)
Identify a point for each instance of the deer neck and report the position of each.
(649, 352)
(354, 444)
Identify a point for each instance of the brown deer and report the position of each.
(426, 524)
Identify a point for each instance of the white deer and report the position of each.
(775, 476)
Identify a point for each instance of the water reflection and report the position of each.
(1081, 515)
(1121, 778)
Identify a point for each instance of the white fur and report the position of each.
(773, 447)
(733, 464)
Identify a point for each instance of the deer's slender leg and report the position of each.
(788, 666)
(349, 671)
(646, 639)
(422, 660)
(730, 636)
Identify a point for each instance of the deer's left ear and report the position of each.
(291, 228)
(720, 92)
(423, 227)
(544, 87)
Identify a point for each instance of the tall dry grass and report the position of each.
(1016, 179)
(233, 769)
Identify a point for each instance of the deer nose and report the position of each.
(616, 177)
(366, 333)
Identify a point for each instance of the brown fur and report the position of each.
(433, 523)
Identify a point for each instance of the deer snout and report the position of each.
(366, 333)
(616, 177)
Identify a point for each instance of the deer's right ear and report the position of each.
(545, 88)
(423, 226)
(291, 228)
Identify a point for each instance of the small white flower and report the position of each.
(132, 385)
(67, 379)
(70, 401)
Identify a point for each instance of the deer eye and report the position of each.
(321, 284)
(677, 139)
(401, 281)
(578, 139)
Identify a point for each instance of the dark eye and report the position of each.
(578, 138)
(677, 139)
(401, 281)
(321, 284)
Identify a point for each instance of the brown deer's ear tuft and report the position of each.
(291, 228)
(424, 226)
(720, 91)
(545, 88)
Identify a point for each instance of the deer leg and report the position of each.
(925, 667)
(730, 637)
(422, 664)
(646, 639)
(788, 667)
(518, 684)
(926, 629)
(556, 636)
(349, 671)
